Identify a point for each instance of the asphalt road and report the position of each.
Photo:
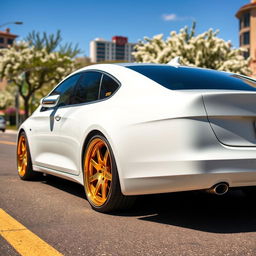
(191, 223)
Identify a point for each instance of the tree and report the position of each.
(51, 42)
(36, 64)
(6, 98)
(205, 50)
(30, 69)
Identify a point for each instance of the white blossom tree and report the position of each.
(6, 98)
(205, 50)
(30, 69)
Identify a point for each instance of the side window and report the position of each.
(88, 87)
(108, 87)
(66, 90)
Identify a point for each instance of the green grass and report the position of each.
(11, 127)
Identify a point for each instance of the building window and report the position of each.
(10, 41)
(246, 38)
(246, 20)
(1, 40)
(246, 54)
(101, 44)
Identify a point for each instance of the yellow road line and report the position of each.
(22, 240)
(7, 142)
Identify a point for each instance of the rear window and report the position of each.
(185, 78)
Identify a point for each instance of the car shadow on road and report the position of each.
(231, 213)
(64, 185)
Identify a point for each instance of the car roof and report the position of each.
(129, 64)
(168, 65)
(134, 64)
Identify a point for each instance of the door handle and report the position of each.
(57, 118)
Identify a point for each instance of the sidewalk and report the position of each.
(10, 131)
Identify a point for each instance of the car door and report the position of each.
(71, 121)
(45, 143)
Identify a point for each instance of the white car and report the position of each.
(2, 124)
(130, 129)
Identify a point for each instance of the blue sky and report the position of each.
(83, 20)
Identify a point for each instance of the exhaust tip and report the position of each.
(219, 189)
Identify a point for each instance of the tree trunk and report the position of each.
(26, 107)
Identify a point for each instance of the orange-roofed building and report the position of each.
(6, 38)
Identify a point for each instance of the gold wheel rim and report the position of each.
(22, 156)
(98, 172)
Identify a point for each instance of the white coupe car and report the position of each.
(130, 129)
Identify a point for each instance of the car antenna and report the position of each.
(175, 62)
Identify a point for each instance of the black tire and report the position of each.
(27, 172)
(115, 199)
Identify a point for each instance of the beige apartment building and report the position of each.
(119, 49)
(247, 32)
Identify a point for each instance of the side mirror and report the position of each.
(50, 101)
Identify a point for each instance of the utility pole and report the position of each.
(17, 108)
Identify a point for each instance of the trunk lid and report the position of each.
(232, 115)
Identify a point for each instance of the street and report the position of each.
(191, 223)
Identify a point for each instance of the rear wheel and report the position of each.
(101, 179)
(24, 164)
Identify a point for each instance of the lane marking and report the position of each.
(7, 142)
(23, 240)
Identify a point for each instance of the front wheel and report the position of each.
(24, 163)
(101, 179)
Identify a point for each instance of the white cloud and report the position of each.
(175, 17)
(169, 17)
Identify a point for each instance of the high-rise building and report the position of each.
(6, 38)
(247, 31)
(119, 49)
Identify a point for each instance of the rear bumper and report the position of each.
(188, 182)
